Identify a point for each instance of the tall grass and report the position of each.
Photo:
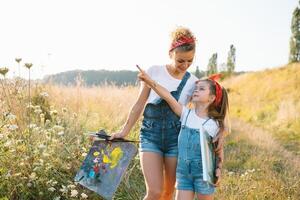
(61, 117)
(270, 100)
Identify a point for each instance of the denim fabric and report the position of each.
(161, 126)
(189, 171)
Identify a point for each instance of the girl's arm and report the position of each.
(162, 92)
(135, 112)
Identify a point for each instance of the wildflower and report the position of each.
(64, 110)
(51, 189)
(47, 122)
(29, 184)
(74, 193)
(84, 154)
(64, 189)
(44, 94)
(38, 111)
(1, 136)
(60, 133)
(84, 196)
(251, 170)
(7, 144)
(71, 186)
(54, 183)
(58, 128)
(56, 198)
(28, 65)
(3, 70)
(84, 149)
(32, 126)
(33, 176)
(74, 115)
(10, 116)
(13, 127)
(230, 173)
(17, 174)
(53, 112)
(42, 146)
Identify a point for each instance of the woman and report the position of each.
(160, 126)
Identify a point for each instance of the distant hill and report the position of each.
(99, 77)
(94, 77)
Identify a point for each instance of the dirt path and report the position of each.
(265, 140)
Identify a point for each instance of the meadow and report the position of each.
(39, 157)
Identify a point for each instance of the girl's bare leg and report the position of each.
(184, 195)
(205, 196)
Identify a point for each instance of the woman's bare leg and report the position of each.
(152, 167)
(169, 177)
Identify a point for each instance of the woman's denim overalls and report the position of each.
(161, 126)
(189, 171)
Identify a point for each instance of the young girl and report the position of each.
(196, 171)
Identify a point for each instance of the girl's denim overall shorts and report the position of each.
(189, 174)
(161, 126)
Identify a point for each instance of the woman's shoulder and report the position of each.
(192, 79)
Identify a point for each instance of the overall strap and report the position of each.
(187, 117)
(205, 121)
(181, 85)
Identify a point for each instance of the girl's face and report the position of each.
(202, 93)
(182, 60)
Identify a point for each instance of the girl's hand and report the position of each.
(218, 177)
(143, 76)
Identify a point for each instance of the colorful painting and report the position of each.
(105, 165)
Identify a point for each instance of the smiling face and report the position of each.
(182, 60)
(202, 93)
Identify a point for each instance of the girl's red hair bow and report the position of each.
(214, 78)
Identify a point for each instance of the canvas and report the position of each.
(104, 166)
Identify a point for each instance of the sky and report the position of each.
(62, 35)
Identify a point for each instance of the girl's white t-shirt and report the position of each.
(194, 121)
(161, 75)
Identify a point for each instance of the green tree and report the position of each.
(231, 60)
(212, 64)
(197, 72)
(295, 38)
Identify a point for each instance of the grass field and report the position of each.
(40, 161)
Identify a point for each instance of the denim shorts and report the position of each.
(189, 177)
(160, 136)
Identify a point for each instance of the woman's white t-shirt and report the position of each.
(161, 75)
